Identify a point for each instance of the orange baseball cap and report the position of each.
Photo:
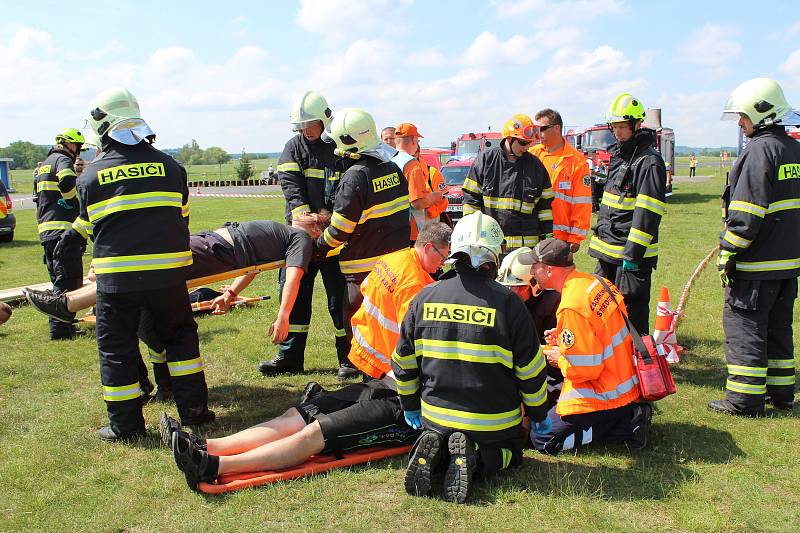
(406, 129)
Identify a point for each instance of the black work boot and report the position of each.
(347, 371)
(725, 406)
(279, 366)
(310, 391)
(54, 306)
(162, 395)
(780, 405)
(640, 423)
(460, 471)
(423, 462)
(197, 416)
(109, 435)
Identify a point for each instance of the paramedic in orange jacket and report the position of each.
(425, 184)
(600, 399)
(569, 174)
(332, 422)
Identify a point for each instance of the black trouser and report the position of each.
(156, 350)
(118, 316)
(66, 273)
(292, 350)
(572, 431)
(691, 172)
(759, 348)
(634, 285)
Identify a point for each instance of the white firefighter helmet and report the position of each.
(353, 130)
(515, 270)
(479, 236)
(309, 108)
(761, 99)
(115, 112)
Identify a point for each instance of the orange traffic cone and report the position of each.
(664, 330)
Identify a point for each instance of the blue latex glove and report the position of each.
(63, 203)
(413, 419)
(629, 266)
(545, 427)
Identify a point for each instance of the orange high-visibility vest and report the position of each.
(596, 348)
(388, 290)
(572, 189)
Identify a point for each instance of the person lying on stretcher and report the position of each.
(235, 245)
(332, 422)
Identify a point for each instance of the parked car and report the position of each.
(8, 221)
(454, 173)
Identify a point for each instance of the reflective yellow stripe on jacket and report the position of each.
(126, 202)
(136, 263)
(456, 419)
(55, 225)
(615, 251)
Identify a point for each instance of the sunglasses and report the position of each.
(545, 128)
(523, 143)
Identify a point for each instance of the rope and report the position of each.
(685, 294)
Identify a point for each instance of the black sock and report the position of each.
(212, 467)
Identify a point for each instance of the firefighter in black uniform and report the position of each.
(511, 185)
(370, 214)
(308, 175)
(759, 258)
(134, 202)
(467, 357)
(56, 208)
(625, 241)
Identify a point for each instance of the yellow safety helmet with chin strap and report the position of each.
(309, 108)
(515, 270)
(624, 108)
(480, 237)
(70, 135)
(353, 130)
(761, 99)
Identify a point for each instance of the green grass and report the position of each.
(703, 472)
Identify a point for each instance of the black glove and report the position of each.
(70, 243)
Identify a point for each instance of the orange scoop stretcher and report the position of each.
(314, 465)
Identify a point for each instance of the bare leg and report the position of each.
(82, 298)
(283, 426)
(282, 453)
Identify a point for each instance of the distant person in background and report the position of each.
(692, 165)
(387, 136)
(79, 165)
(270, 171)
(425, 186)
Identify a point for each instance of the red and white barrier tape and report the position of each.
(232, 195)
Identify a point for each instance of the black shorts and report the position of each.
(359, 416)
(211, 254)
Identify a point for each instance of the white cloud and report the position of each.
(695, 118)
(712, 46)
(791, 67)
(646, 58)
(427, 58)
(577, 68)
(548, 11)
(487, 50)
(327, 17)
(788, 34)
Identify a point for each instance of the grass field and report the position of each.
(703, 471)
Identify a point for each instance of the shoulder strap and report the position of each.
(638, 343)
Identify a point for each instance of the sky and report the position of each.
(226, 74)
